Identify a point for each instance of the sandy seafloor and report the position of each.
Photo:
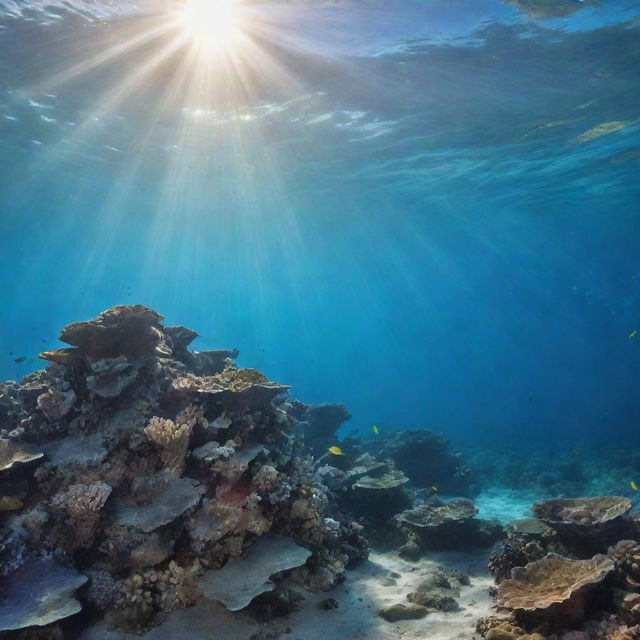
(369, 586)
(505, 505)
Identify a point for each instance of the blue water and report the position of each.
(402, 206)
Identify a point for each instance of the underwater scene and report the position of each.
(320, 319)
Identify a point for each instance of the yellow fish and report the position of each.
(634, 486)
(375, 430)
(434, 489)
(633, 334)
(337, 451)
(575, 452)
(9, 503)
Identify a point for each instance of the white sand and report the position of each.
(505, 505)
(368, 588)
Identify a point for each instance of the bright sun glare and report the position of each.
(211, 24)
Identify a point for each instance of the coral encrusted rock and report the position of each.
(553, 588)
(448, 525)
(587, 525)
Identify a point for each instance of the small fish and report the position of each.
(634, 486)
(337, 451)
(434, 490)
(20, 359)
(633, 334)
(575, 452)
(376, 430)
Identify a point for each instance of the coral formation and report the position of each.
(37, 594)
(153, 470)
(320, 422)
(589, 525)
(552, 589)
(399, 611)
(516, 551)
(438, 590)
(171, 441)
(575, 595)
(448, 525)
(244, 578)
(426, 458)
(14, 453)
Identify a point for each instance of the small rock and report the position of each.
(328, 604)
(410, 551)
(396, 612)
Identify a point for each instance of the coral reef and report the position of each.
(14, 453)
(171, 441)
(425, 457)
(395, 612)
(571, 593)
(587, 525)
(516, 551)
(439, 590)
(448, 525)
(552, 589)
(149, 471)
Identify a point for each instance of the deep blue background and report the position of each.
(419, 234)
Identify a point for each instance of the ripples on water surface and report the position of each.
(428, 209)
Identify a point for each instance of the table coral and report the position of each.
(553, 587)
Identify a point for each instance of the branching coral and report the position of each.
(168, 589)
(192, 415)
(516, 551)
(171, 441)
(626, 555)
(82, 500)
(81, 504)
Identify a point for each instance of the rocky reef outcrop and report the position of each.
(138, 478)
(439, 525)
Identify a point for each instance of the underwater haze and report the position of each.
(428, 210)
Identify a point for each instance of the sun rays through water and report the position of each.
(192, 83)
